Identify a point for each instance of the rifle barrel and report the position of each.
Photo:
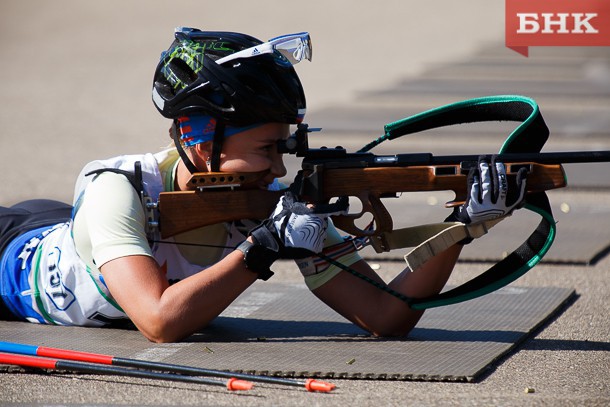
(337, 158)
(568, 157)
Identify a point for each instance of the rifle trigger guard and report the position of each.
(382, 222)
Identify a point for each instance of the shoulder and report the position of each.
(111, 219)
(110, 196)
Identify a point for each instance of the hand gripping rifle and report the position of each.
(331, 173)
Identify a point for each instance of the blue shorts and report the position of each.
(18, 224)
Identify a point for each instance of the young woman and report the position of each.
(231, 99)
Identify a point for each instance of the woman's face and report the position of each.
(255, 150)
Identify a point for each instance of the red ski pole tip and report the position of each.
(236, 384)
(316, 385)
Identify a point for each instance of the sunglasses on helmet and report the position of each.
(292, 47)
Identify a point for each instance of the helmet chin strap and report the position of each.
(185, 158)
(219, 137)
(218, 140)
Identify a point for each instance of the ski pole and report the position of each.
(309, 384)
(45, 363)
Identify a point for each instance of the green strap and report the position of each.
(529, 136)
(508, 269)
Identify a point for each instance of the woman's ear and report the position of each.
(203, 153)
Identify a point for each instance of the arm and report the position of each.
(362, 303)
(135, 280)
(165, 313)
(377, 311)
(383, 314)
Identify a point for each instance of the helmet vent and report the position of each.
(183, 72)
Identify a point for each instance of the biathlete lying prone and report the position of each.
(231, 99)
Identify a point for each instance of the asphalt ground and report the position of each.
(75, 81)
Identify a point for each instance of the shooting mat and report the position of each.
(283, 330)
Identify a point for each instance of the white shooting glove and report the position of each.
(489, 194)
(295, 230)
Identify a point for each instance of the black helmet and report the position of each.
(196, 75)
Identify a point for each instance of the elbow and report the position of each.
(158, 329)
(159, 334)
(398, 332)
(160, 337)
(393, 329)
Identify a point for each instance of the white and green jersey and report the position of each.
(64, 285)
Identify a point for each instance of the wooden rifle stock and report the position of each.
(182, 211)
(186, 210)
(370, 184)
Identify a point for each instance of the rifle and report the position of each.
(217, 197)
(330, 173)
(221, 197)
(333, 173)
